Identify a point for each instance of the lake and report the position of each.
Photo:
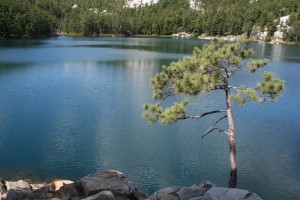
(71, 106)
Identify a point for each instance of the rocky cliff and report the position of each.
(114, 185)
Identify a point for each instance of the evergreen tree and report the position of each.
(294, 30)
(207, 70)
(212, 17)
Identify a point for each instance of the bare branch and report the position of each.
(235, 69)
(211, 129)
(168, 91)
(219, 87)
(229, 67)
(219, 120)
(212, 69)
(202, 115)
(237, 88)
(208, 132)
(224, 64)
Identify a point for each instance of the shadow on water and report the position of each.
(153, 48)
(161, 45)
(21, 43)
(8, 67)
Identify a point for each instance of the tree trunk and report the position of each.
(233, 164)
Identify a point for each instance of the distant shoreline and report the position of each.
(212, 38)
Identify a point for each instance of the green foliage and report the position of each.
(244, 95)
(294, 31)
(19, 18)
(200, 72)
(270, 86)
(152, 112)
(252, 95)
(206, 70)
(93, 17)
(254, 65)
(268, 38)
(168, 116)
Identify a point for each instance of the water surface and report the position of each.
(72, 106)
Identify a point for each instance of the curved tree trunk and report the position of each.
(233, 164)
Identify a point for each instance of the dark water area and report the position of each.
(70, 106)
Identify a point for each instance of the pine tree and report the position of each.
(207, 70)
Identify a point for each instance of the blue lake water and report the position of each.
(72, 106)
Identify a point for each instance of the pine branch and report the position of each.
(212, 69)
(237, 88)
(201, 115)
(219, 87)
(235, 69)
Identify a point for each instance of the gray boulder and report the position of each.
(14, 194)
(193, 192)
(44, 192)
(67, 191)
(3, 190)
(104, 195)
(188, 193)
(110, 180)
(17, 185)
(114, 185)
(17, 190)
(36, 186)
(168, 193)
(218, 193)
(203, 191)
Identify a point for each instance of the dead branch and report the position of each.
(211, 129)
(201, 115)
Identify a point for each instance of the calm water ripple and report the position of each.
(72, 106)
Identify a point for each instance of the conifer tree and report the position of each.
(206, 70)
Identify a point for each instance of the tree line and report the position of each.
(39, 18)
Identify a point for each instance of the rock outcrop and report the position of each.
(230, 38)
(114, 185)
(203, 191)
(281, 27)
(138, 3)
(182, 35)
(113, 181)
(258, 34)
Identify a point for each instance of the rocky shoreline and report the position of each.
(114, 185)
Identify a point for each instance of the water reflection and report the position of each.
(163, 45)
(13, 67)
(20, 43)
(277, 52)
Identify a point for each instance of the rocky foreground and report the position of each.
(114, 185)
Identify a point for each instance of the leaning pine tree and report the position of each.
(207, 70)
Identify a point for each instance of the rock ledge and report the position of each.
(114, 185)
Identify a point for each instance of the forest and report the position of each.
(44, 18)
